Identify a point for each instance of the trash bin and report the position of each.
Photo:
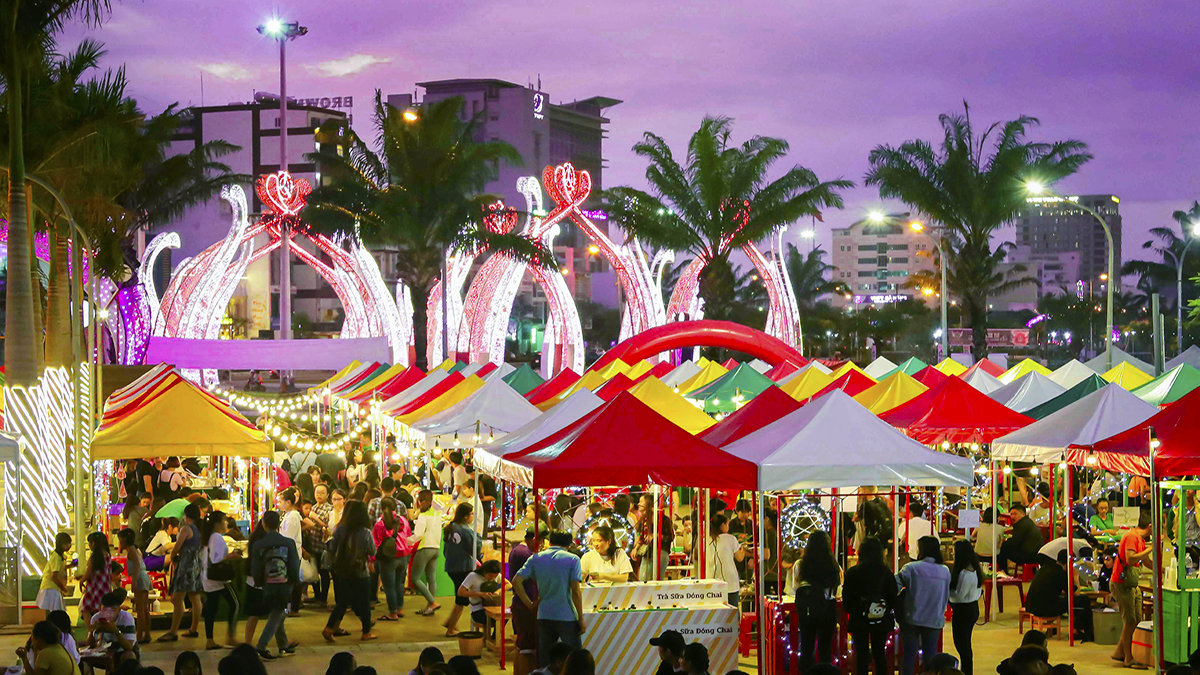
(1106, 625)
(470, 643)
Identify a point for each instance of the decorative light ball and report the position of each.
(800, 519)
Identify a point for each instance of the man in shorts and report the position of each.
(1132, 552)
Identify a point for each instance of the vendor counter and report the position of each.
(622, 619)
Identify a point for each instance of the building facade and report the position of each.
(1049, 226)
(877, 261)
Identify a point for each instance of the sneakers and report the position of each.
(266, 655)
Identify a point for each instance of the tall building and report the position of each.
(877, 260)
(1052, 225)
(254, 127)
(545, 134)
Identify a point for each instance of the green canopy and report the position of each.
(910, 367)
(523, 379)
(1170, 386)
(721, 394)
(1092, 383)
(458, 365)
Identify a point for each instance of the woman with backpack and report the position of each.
(459, 547)
(353, 566)
(817, 579)
(966, 586)
(392, 552)
(869, 598)
(926, 585)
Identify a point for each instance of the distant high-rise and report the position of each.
(876, 260)
(1052, 226)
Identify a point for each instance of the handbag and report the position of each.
(222, 571)
(308, 571)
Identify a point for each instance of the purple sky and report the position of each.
(834, 78)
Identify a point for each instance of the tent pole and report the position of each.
(759, 534)
(995, 571)
(656, 513)
(779, 546)
(1155, 512)
(895, 539)
(1070, 555)
(503, 562)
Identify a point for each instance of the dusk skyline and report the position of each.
(834, 79)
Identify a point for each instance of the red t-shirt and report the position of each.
(1131, 540)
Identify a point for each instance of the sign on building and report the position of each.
(996, 337)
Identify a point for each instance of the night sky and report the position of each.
(834, 78)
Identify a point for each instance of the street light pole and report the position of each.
(917, 226)
(1179, 286)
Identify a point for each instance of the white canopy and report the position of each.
(1071, 373)
(499, 372)
(409, 395)
(551, 422)
(682, 373)
(1027, 392)
(495, 407)
(814, 364)
(1190, 356)
(983, 381)
(760, 365)
(1119, 356)
(1102, 413)
(835, 442)
(879, 367)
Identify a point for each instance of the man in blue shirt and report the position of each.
(560, 604)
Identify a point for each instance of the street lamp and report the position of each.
(1179, 283)
(919, 227)
(283, 31)
(1038, 188)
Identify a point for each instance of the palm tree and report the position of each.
(1159, 274)
(972, 189)
(26, 28)
(418, 190)
(719, 200)
(807, 273)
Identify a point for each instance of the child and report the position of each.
(62, 621)
(114, 627)
(98, 577)
(136, 567)
(54, 575)
(472, 587)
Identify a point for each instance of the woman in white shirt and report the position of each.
(966, 586)
(982, 536)
(292, 527)
(605, 561)
(722, 555)
(212, 533)
(427, 536)
(356, 472)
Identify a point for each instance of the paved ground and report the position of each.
(399, 644)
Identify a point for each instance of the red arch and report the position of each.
(702, 334)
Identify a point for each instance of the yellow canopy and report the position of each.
(670, 405)
(180, 422)
(641, 368)
(807, 383)
(1022, 369)
(1127, 375)
(897, 388)
(446, 365)
(338, 375)
(951, 367)
(452, 395)
(610, 371)
(375, 382)
(711, 372)
(847, 367)
(703, 361)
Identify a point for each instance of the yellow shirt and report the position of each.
(56, 661)
(55, 563)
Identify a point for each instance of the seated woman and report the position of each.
(161, 545)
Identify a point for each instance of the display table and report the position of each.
(622, 618)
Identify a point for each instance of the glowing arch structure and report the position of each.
(195, 301)
(704, 334)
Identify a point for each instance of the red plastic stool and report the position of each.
(745, 631)
(1029, 571)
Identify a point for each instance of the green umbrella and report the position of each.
(1093, 383)
(173, 509)
(1170, 386)
(523, 379)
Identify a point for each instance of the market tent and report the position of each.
(982, 380)
(880, 367)
(660, 371)
(1170, 386)
(1093, 383)
(811, 365)
(725, 393)
(1102, 413)
(710, 373)
(1190, 356)
(1071, 373)
(987, 365)
(447, 365)
(553, 386)
(782, 370)
(336, 376)
(609, 390)
(1025, 367)
(363, 376)
(702, 361)
(1027, 392)
(682, 373)
(352, 377)
(411, 393)
(847, 367)
(639, 369)
(458, 367)
(638, 447)
(671, 405)
(1119, 355)
(911, 366)
(951, 367)
(612, 368)
(891, 391)
(767, 407)
(930, 376)
(1178, 430)
(730, 364)
(394, 386)
(182, 420)
(760, 365)
(450, 397)
(523, 379)
(1126, 375)
(954, 412)
(496, 406)
(378, 379)
(806, 383)
(835, 442)
(128, 397)
(591, 380)
(548, 423)
(852, 382)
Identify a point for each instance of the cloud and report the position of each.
(355, 63)
(234, 72)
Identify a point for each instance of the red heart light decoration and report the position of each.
(285, 195)
(566, 185)
(498, 218)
